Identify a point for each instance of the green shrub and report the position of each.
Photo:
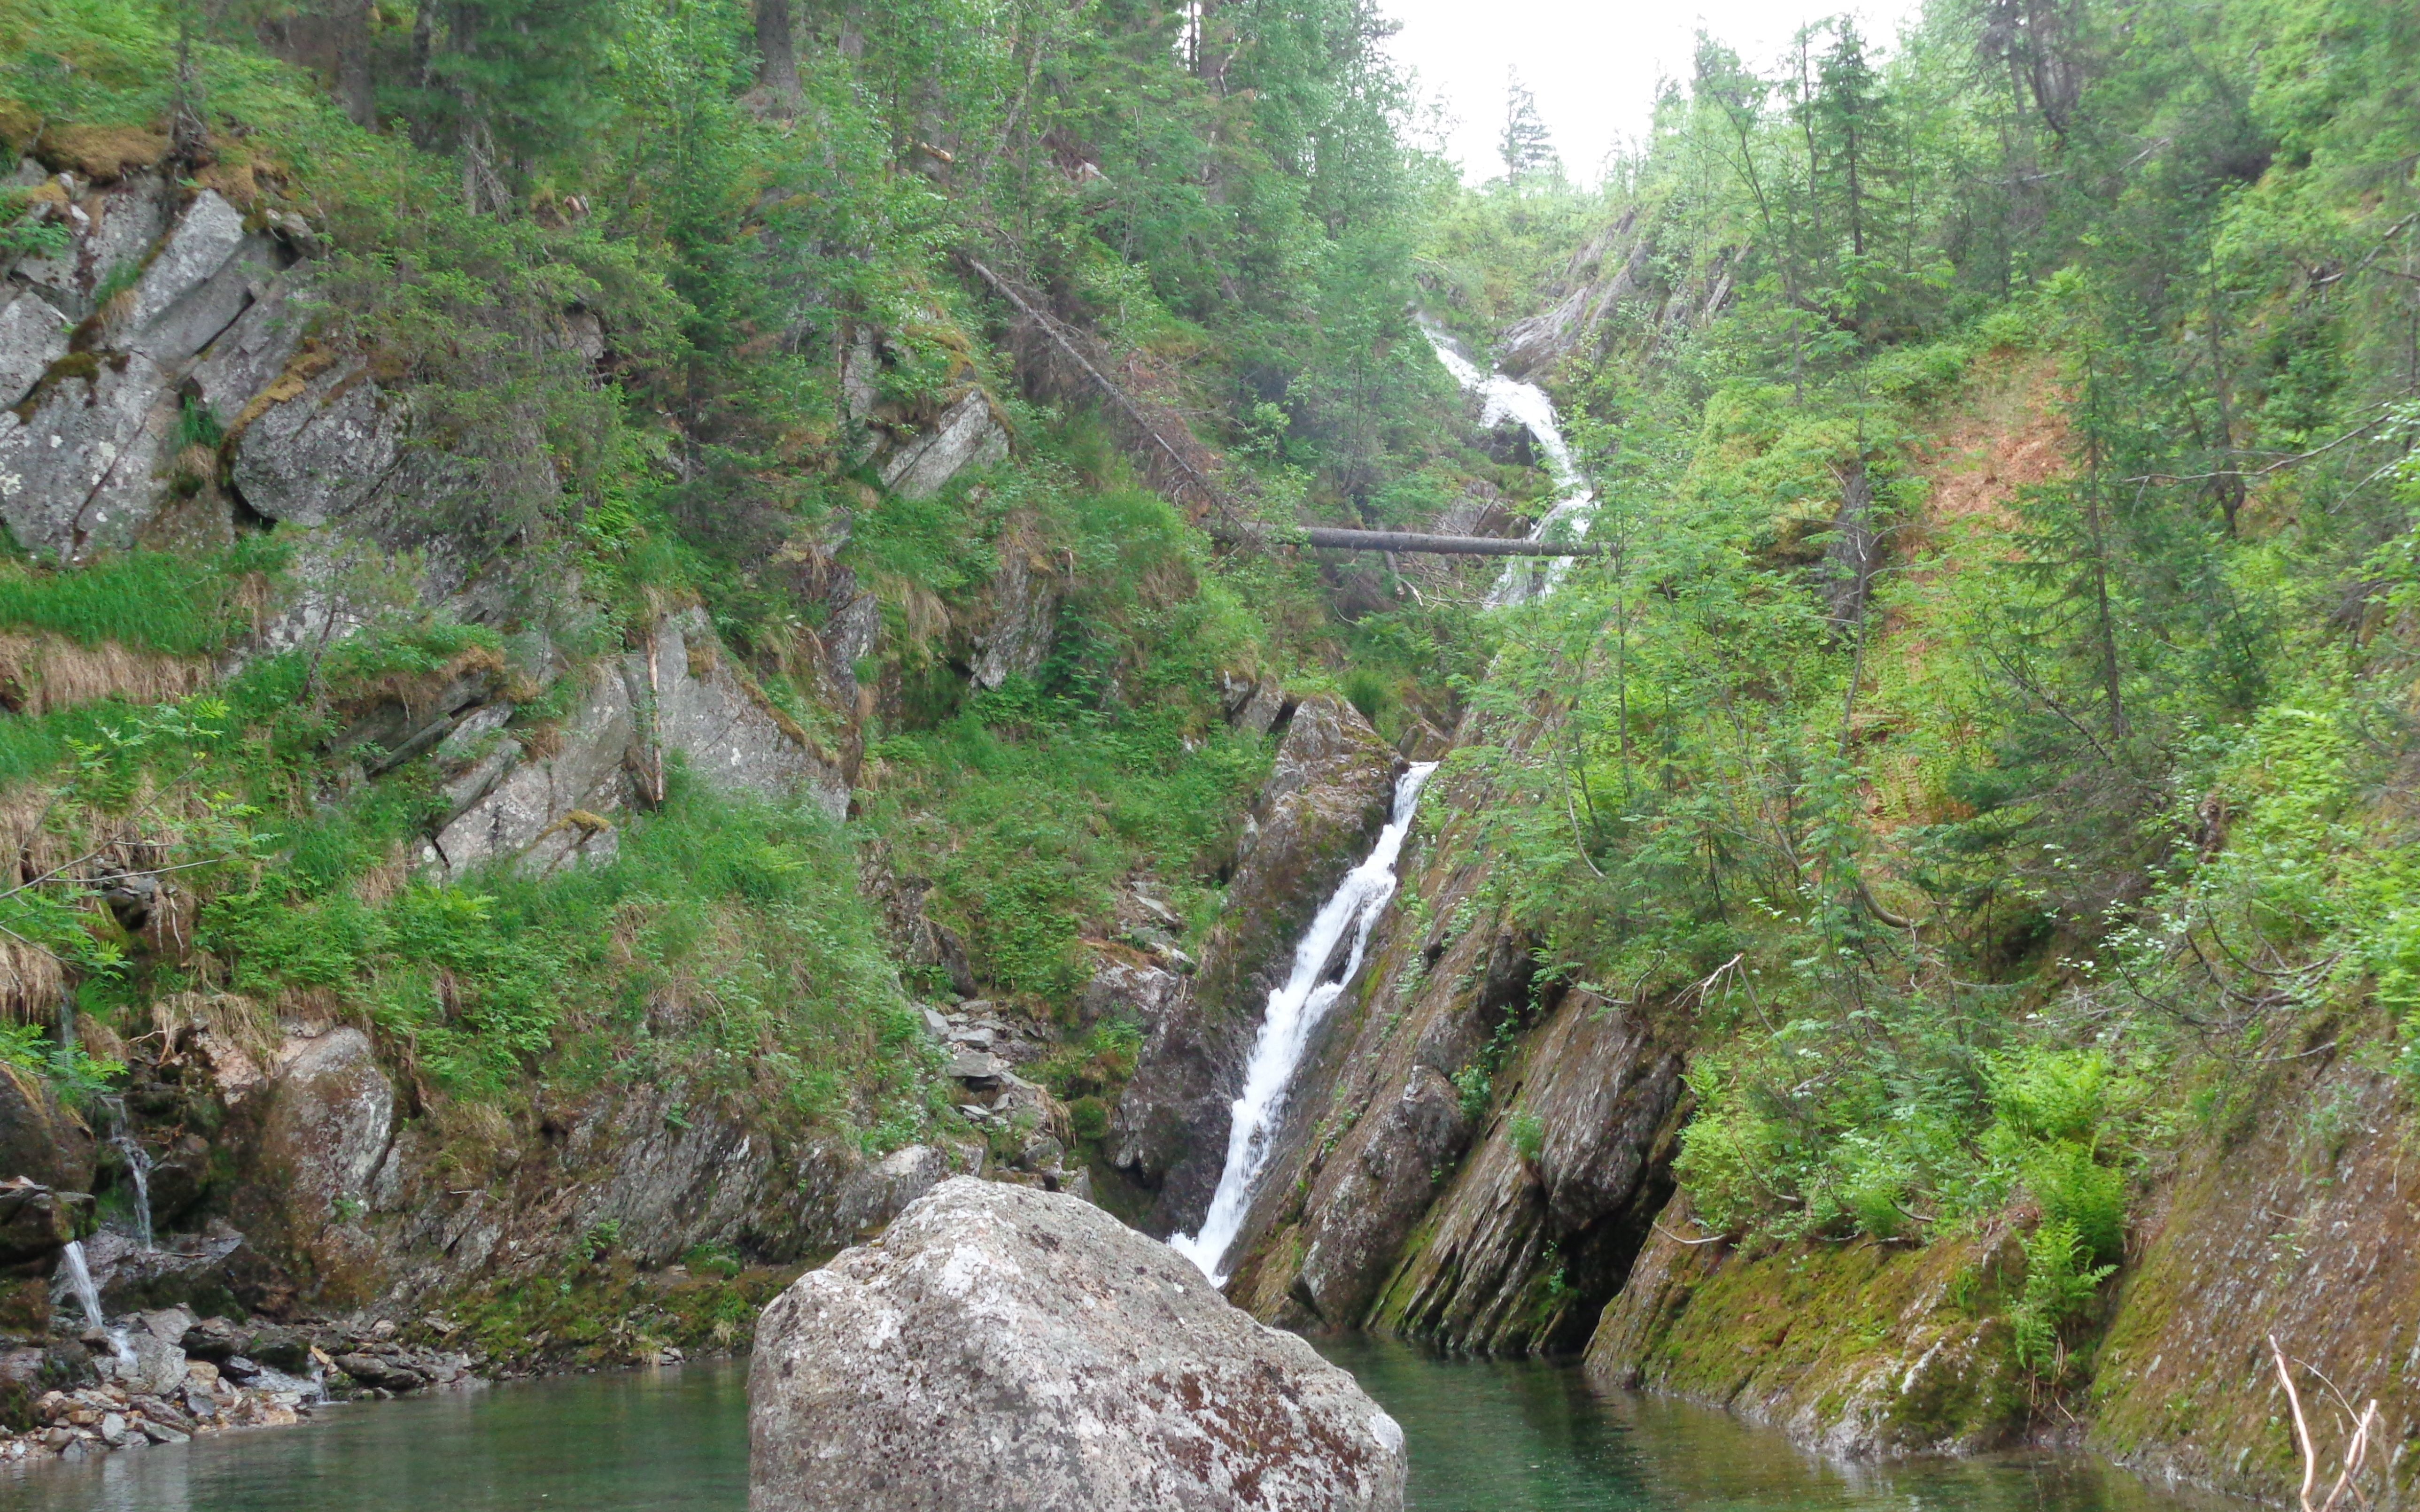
(1527, 1132)
(2080, 1194)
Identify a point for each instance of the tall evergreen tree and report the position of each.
(1524, 146)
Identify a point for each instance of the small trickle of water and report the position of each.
(1505, 398)
(1294, 1009)
(138, 1165)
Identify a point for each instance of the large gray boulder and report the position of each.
(1019, 1350)
(321, 452)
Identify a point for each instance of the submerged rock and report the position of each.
(1008, 1349)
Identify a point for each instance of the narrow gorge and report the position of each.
(929, 750)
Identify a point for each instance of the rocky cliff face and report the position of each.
(172, 379)
(1466, 1159)
(1862, 1349)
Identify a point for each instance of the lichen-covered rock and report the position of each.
(965, 436)
(254, 352)
(77, 472)
(1012, 1349)
(1327, 799)
(156, 1342)
(321, 452)
(109, 230)
(199, 284)
(1140, 995)
(550, 811)
(698, 705)
(312, 1143)
(32, 337)
(1024, 620)
(878, 1192)
(1859, 1349)
(328, 1116)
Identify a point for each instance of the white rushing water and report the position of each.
(1344, 924)
(1503, 398)
(138, 1167)
(87, 1296)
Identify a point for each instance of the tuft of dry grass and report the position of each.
(40, 673)
(104, 154)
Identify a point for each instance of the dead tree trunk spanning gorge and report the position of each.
(1345, 540)
(1064, 361)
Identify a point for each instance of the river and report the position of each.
(1483, 1438)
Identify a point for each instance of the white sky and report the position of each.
(1593, 66)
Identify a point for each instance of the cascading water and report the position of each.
(87, 1296)
(1294, 1009)
(138, 1165)
(138, 1168)
(1505, 398)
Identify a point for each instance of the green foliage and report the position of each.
(163, 601)
(2061, 1285)
(76, 1076)
(1527, 1132)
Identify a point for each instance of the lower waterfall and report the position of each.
(1294, 1009)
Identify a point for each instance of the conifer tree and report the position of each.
(1524, 146)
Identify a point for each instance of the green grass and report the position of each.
(1027, 814)
(162, 601)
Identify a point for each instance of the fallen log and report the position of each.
(1344, 540)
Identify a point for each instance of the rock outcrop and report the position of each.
(1859, 1349)
(85, 448)
(1327, 799)
(967, 435)
(1011, 1349)
(41, 1138)
(678, 694)
(1617, 287)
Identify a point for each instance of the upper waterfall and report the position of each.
(1503, 398)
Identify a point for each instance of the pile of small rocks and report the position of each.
(165, 1376)
(100, 1419)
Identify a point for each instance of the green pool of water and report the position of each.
(1484, 1438)
(1492, 1436)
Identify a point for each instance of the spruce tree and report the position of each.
(1524, 145)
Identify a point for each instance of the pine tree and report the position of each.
(1524, 145)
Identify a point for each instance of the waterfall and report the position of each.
(1505, 398)
(138, 1165)
(80, 1282)
(88, 1297)
(1294, 1009)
